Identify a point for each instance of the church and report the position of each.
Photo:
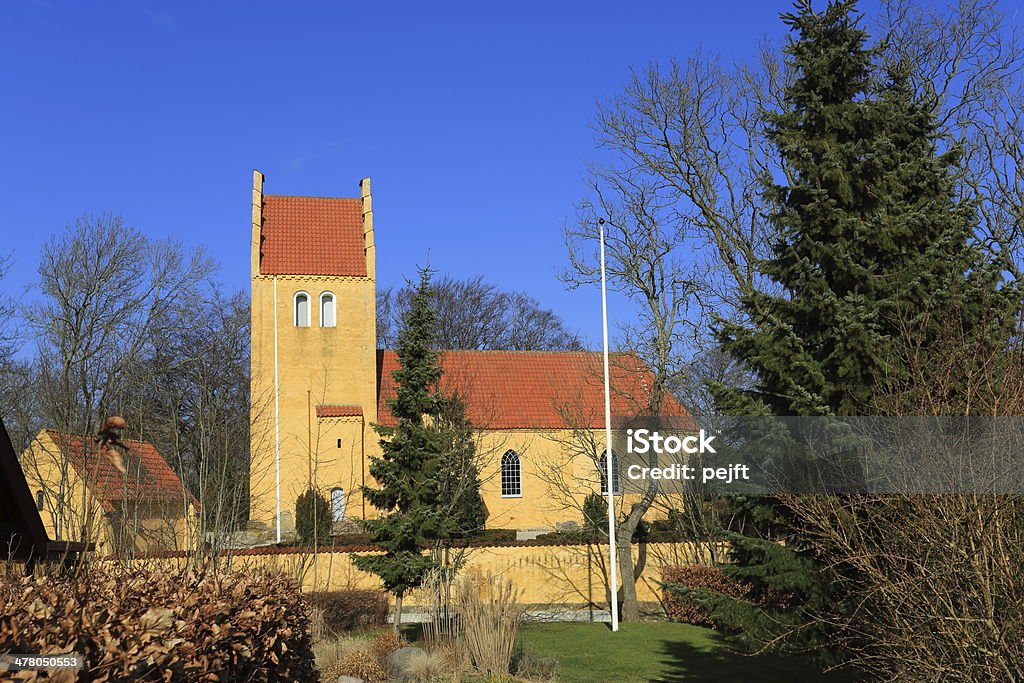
(319, 383)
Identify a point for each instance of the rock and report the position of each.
(400, 661)
(349, 679)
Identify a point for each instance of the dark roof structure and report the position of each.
(22, 533)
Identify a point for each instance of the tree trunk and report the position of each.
(398, 612)
(630, 608)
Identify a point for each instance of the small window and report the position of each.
(511, 475)
(339, 443)
(616, 483)
(337, 504)
(327, 318)
(301, 309)
(40, 499)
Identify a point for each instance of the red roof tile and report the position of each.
(312, 236)
(149, 477)
(535, 389)
(339, 411)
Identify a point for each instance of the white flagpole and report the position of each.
(609, 455)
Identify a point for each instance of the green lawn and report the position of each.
(667, 652)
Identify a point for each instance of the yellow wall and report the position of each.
(574, 575)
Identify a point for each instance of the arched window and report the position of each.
(40, 498)
(337, 504)
(511, 475)
(616, 483)
(327, 310)
(301, 309)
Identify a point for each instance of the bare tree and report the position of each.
(644, 262)
(107, 293)
(473, 314)
(190, 395)
(934, 581)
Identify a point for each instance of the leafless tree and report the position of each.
(107, 292)
(473, 314)
(189, 394)
(934, 580)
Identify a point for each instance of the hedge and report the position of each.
(155, 624)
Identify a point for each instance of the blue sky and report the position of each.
(472, 119)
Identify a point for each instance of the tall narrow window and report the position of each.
(40, 499)
(337, 504)
(511, 475)
(301, 309)
(616, 483)
(327, 310)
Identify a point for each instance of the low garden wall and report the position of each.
(563, 574)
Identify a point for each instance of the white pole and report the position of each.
(277, 423)
(609, 454)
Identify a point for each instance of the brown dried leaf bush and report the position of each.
(350, 610)
(686, 610)
(358, 663)
(161, 624)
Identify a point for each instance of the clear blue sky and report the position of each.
(471, 118)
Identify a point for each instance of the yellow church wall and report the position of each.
(558, 472)
(315, 365)
(68, 507)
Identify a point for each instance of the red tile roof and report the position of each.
(535, 389)
(339, 411)
(312, 236)
(149, 477)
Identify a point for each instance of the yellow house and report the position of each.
(319, 382)
(81, 496)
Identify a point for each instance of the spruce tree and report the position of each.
(464, 510)
(409, 498)
(871, 240)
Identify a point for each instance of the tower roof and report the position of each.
(312, 236)
(535, 389)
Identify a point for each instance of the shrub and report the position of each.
(312, 517)
(350, 610)
(157, 624)
(681, 607)
(358, 663)
(595, 516)
(385, 643)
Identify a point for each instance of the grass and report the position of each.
(659, 652)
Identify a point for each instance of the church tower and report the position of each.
(313, 354)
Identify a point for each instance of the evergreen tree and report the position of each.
(409, 499)
(872, 241)
(871, 237)
(464, 511)
(312, 517)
